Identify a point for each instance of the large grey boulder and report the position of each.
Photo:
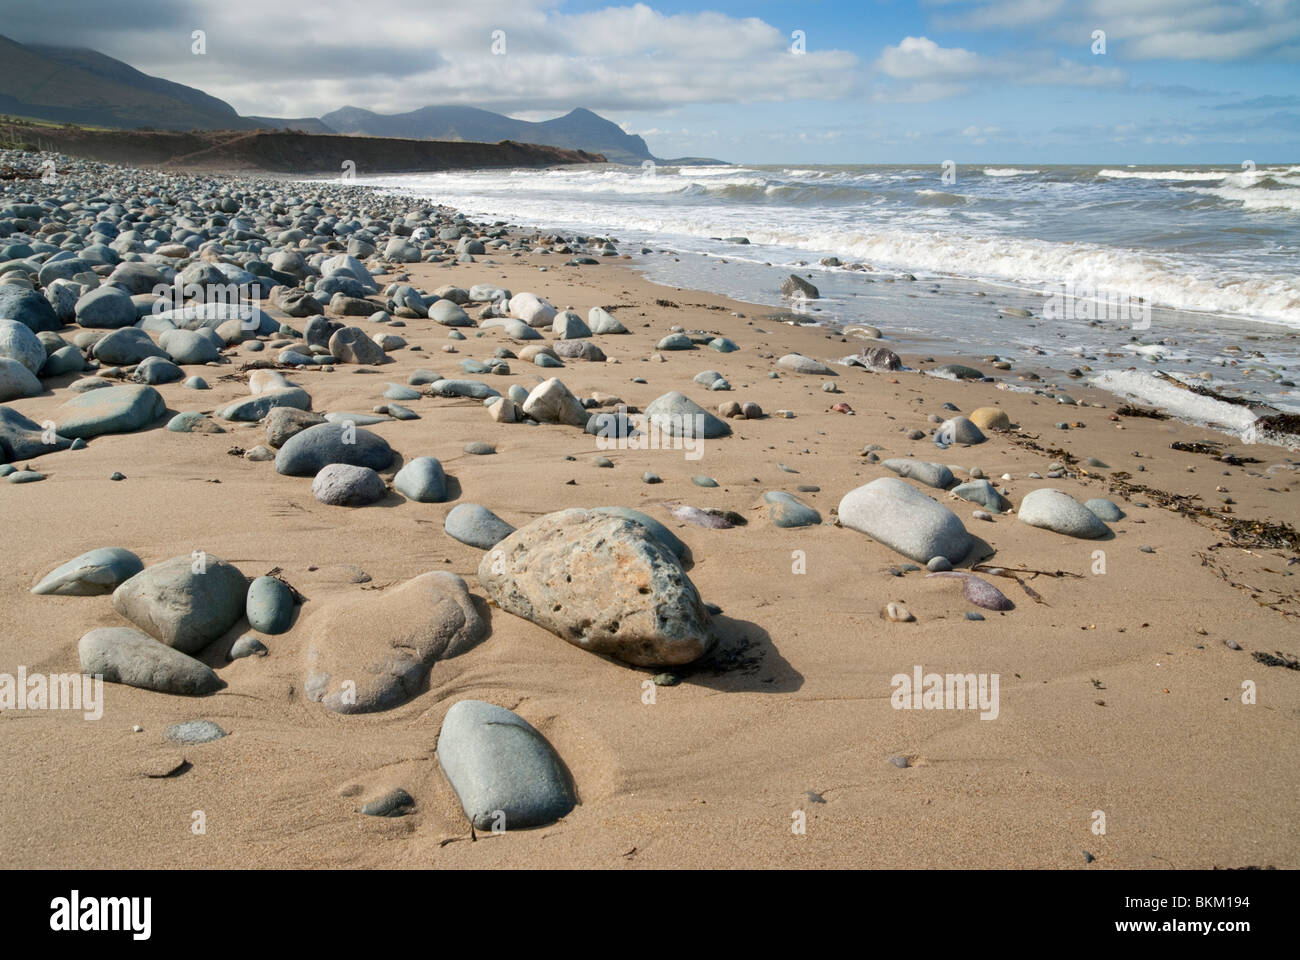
(305, 453)
(904, 519)
(105, 308)
(603, 583)
(18, 342)
(118, 409)
(551, 402)
(505, 774)
(254, 408)
(27, 307)
(678, 415)
(1059, 512)
(16, 381)
(126, 346)
(186, 602)
(125, 655)
(374, 651)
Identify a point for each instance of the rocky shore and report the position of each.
(390, 531)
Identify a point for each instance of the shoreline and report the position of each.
(1120, 690)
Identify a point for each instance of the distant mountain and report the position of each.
(74, 85)
(85, 87)
(577, 130)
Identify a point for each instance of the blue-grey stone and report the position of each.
(21, 438)
(922, 471)
(474, 389)
(126, 346)
(125, 655)
(397, 391)
(247, 646)
(118, 409)
(186, 601)
(788, 511)
(1057, 511)
(193, 731)
(675, 341)
(269, 605)
(476, 526)
(95, 572)
(983, 493)
(105, 308)
(723, 345)
(157, 370)
(346, 485)
(901, 517)
(30, 308)
(702, 481)
(254, 408)
(506, 775)
(422, 480)
(25, 476)
(1104, 509)
(678, 415)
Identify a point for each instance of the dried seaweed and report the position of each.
(1280, 660)
(1212, 450)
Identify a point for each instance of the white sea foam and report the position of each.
(1006, 172)
(1160, 393)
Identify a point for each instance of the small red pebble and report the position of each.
(842, 407)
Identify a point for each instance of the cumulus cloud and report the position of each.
(401, 54)
(923, 70)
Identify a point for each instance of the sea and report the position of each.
(1130, 274)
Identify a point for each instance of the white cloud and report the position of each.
(926, 71)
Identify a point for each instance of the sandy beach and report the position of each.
(1121, 691)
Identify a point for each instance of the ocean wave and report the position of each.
(1251, 198)
(1006, 172)
(1164, 174)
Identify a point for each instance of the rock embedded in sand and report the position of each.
(551, 402)
(305, 453)
(374, 651)
(1104, 509)
(254, 408)
(569, 326)
(789, 511)
(19, 343)
(395, 803)
(353, 345)
(797, 363)
(983, 493)
(21, 438)
(601, 322)
(679, 416)
(193, 731)
(285, 422)
(603, 583)
(532, 310)
(119, 409)
(990, 418)
(346, 485)
(16, 381)
(958, 430)
(127, 346)
(904, 519)
(95, 572)
(505, 773)
(1057, 511)
(476, 526)
(956, 371)
(31, 309)
(125, 655)
(268, 605)
(422, 480)
(186, 602)
(922, 471)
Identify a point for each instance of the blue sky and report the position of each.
(975, 81)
